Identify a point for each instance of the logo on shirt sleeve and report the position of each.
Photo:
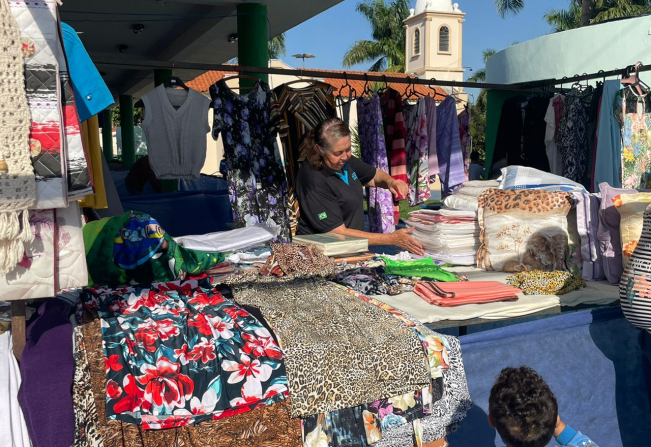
(323, 216)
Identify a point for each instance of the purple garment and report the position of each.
(448, 146)
(48, 368)
(433, 159)
(374, 153)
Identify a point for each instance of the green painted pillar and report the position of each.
(126, 125)
(252, 39)
(107, 134)
(161, 75)
(494, 102)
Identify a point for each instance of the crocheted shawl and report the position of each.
(17, 183)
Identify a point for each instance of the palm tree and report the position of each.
(387, 49)
(581, 12)
(505, 7)
(277, 47)
(564, 19)
(480, 76)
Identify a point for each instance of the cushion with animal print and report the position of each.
(631, 209)
(524, 230)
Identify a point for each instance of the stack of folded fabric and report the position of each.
(465, 198)
(448, 236)
(460, 293)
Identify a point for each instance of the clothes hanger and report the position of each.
(172, 82)
(367, 90)
(313, 82)
(175, 82)
(384, 89)
(242, 76)
(352, 93)
(633, 80)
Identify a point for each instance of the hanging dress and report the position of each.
(256, 182)
(448, 146)
(633, 112)
(572, 137)
(373, 148)
(417, 150)
(299, 110)
(395, 135)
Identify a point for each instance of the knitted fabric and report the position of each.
(17, 183)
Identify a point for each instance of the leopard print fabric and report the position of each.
(339, 351)
(529, 200)
(269, 426)
(86, 423)
(523, 230)
(302, 260)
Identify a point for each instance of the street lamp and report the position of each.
(304, 56)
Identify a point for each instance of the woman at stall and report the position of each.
(330, 188)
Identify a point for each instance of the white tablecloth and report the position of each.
(596, 293)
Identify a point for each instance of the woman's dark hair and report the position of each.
(316, 142)
(523, 408)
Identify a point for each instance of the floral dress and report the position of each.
(634, 115)
(374, 153)
(180, 353)
(417, 149)
(257, 183)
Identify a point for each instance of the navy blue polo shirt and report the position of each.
(329, 199)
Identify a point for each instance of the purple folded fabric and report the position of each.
(610, 243)
(47, 368)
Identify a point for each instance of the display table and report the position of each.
(597, 293)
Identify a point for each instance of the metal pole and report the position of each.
(253, 41)
(359, 77)
(161, 75)
(128, 137)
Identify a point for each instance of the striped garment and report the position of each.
(395, 137)
(635, 285)
(296, 111)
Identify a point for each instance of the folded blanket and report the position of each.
(472, 191)
(482, 183)
(473, 292)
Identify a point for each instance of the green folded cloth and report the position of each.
(424, 268)
(133, 248)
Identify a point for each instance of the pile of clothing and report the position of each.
(448, 236)
(158, 353)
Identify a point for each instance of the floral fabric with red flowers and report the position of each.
(181, 353)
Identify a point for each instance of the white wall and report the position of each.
(607, 46)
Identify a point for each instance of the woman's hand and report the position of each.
(402, 239)
(399, 189)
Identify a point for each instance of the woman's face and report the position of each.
(338, 155)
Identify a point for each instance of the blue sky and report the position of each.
(329, 35)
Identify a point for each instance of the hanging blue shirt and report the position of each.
(91, 93)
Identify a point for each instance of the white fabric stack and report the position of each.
(465, 198)
(451, 235)
(448, 236)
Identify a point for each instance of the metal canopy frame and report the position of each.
(412, 80)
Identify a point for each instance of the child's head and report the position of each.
(522, 408)
(474, 157)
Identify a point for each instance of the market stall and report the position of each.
(141, 334)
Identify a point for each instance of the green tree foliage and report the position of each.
(387, 49)
(581, 12)
(604, 10)
(277, 47)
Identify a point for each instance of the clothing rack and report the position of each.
(411, 80)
